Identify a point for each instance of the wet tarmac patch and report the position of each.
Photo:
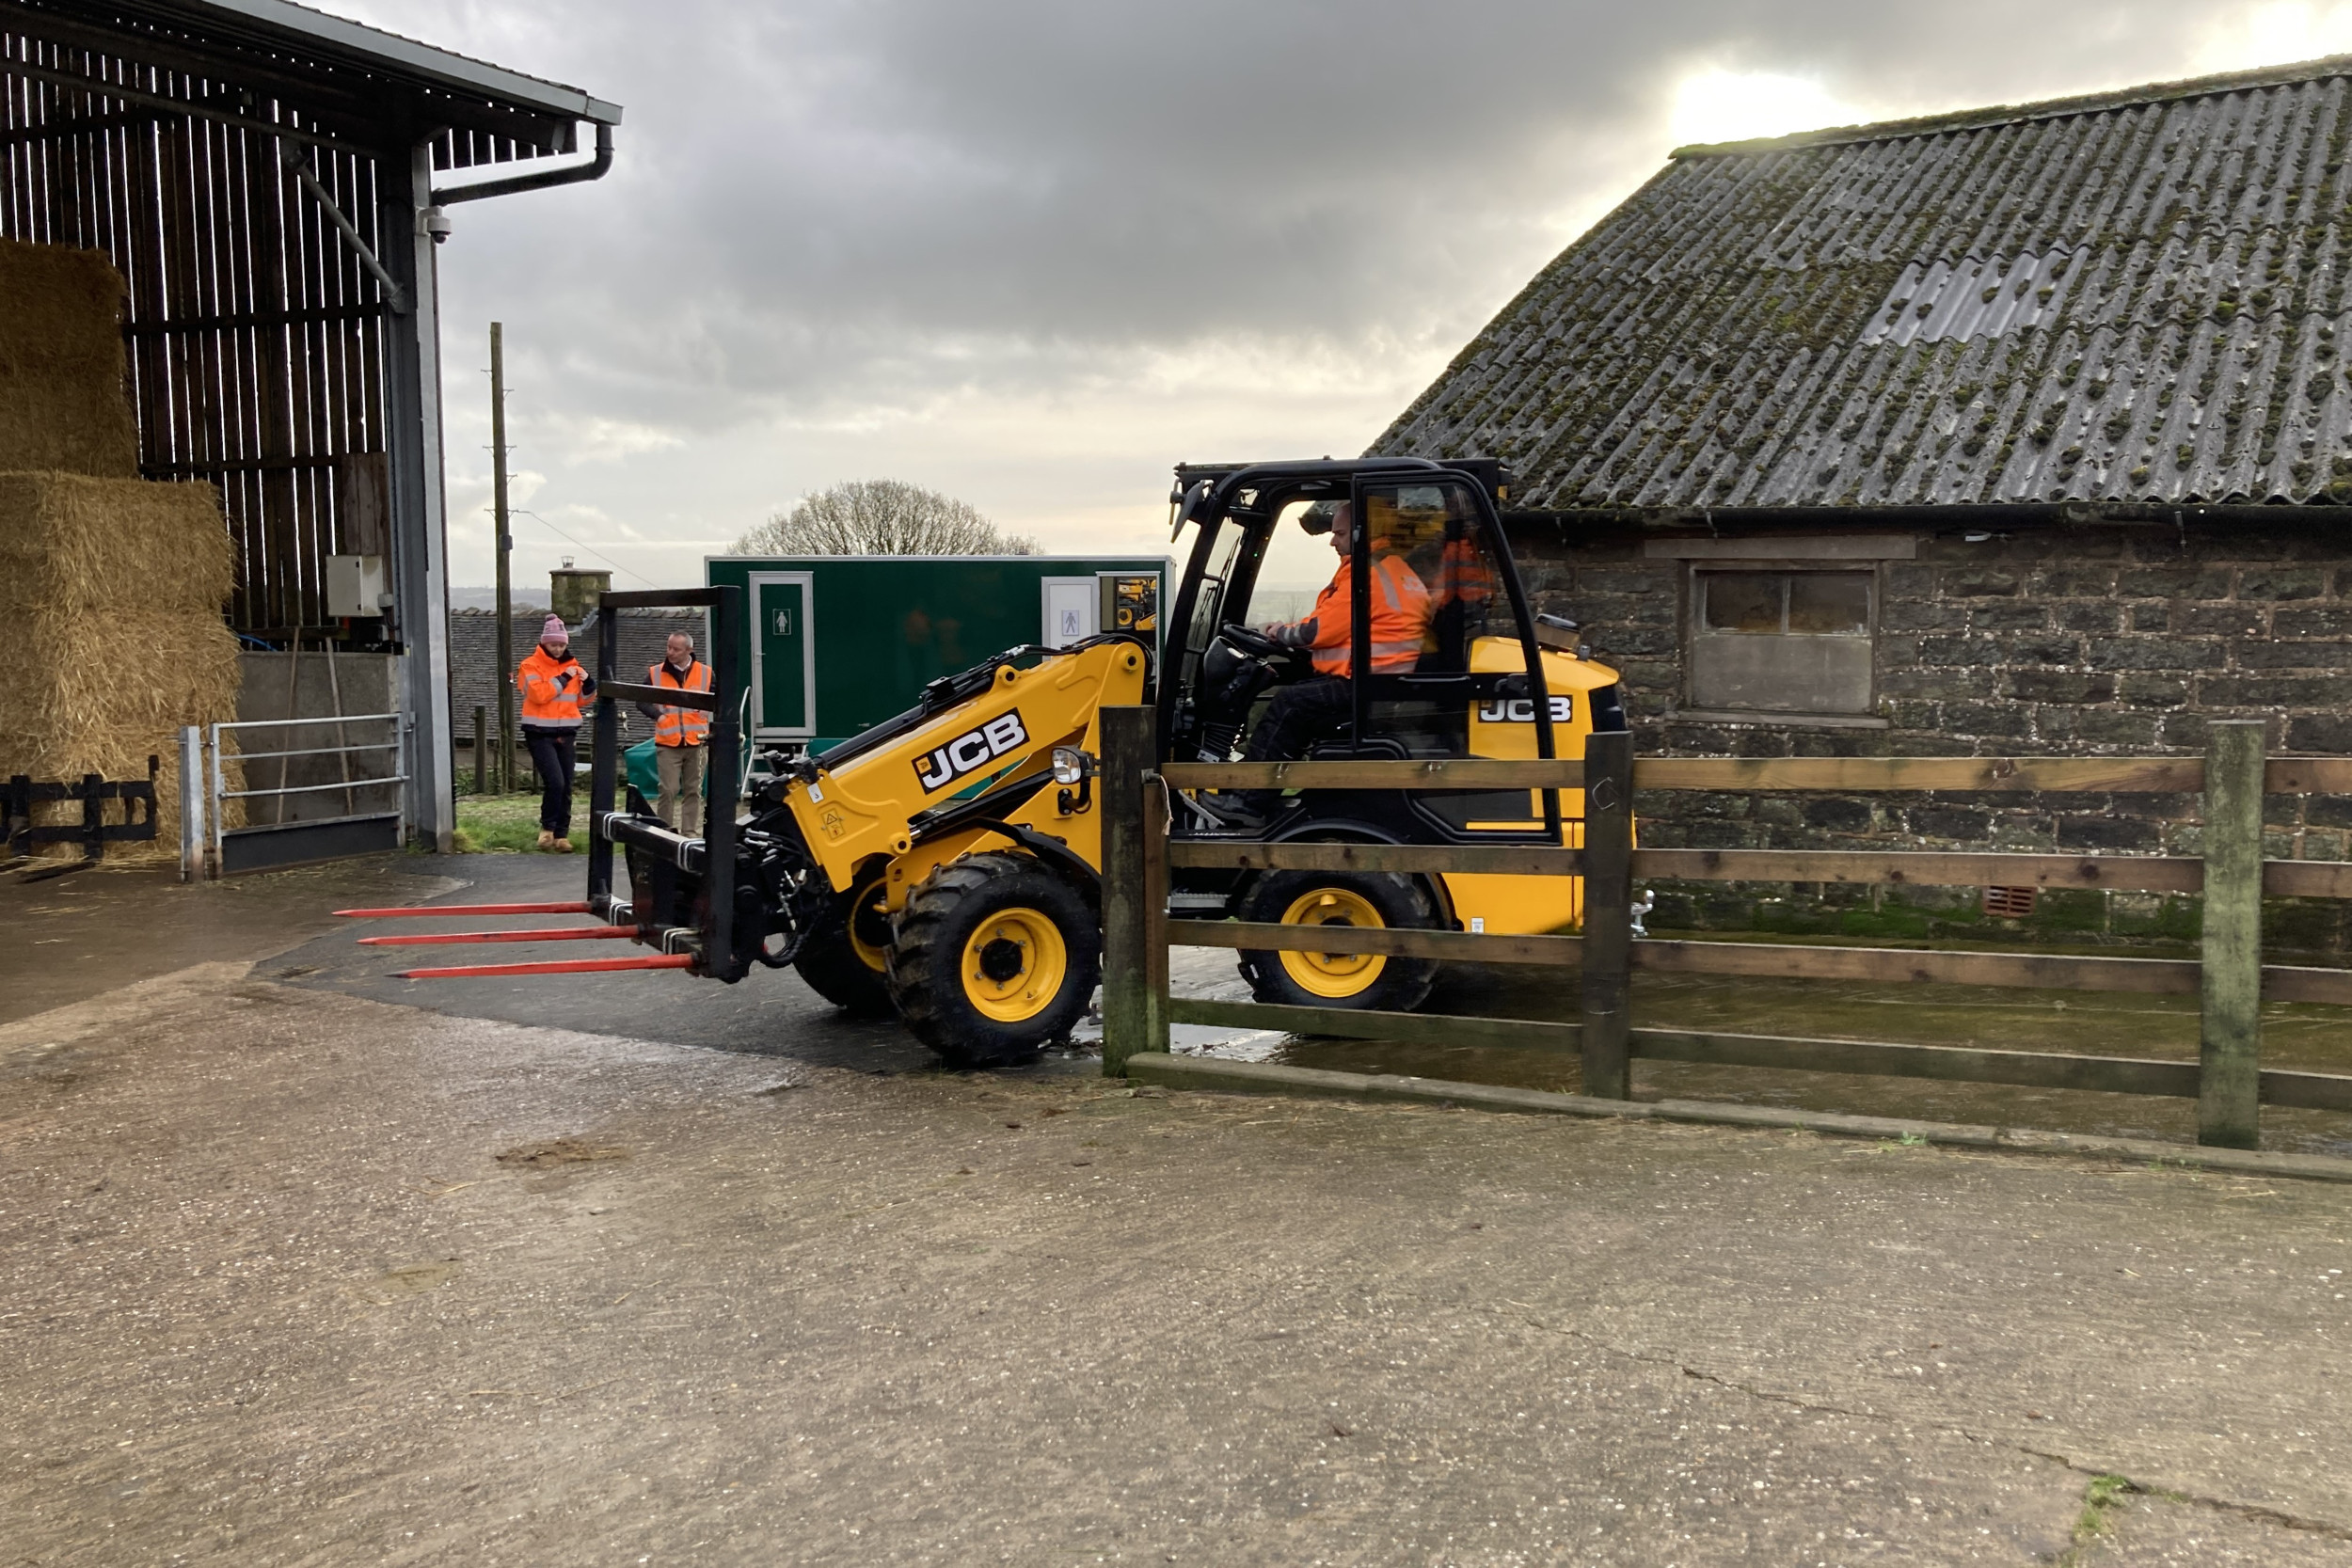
(408, 1279)
(552, 1153)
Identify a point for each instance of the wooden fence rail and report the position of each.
(2230, 979)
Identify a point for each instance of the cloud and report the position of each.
(1034, 251)
(1719, 106)
(2272, 33)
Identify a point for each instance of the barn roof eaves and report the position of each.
(372, 46)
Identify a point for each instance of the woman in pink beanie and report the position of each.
(552, 684)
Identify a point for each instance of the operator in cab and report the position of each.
(1400, 609)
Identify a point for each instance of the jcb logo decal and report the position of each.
(969, 752)
(1521, 711)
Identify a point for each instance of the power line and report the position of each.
(517, 511)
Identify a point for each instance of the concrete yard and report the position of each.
(308, 1265)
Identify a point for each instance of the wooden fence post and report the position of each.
(1155, 803)
(2228, 1055)
(1127, 754)
(1608, 914)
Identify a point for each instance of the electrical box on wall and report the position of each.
(355, 586)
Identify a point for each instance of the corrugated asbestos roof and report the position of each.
(2135, 297)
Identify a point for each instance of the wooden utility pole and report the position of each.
(505, 544)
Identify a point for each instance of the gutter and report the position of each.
(1833, 520)
(570, 174)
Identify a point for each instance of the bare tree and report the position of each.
(881, 517)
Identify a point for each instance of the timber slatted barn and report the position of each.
(2015, 430)
(267, 184)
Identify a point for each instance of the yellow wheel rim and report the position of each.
(1014, 965)
(1333, 974)
(867, 909)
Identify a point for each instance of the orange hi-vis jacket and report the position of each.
(1464, 575)
(1400, 613)
(680, 726)
(551, 689)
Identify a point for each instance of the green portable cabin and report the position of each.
(840, 643)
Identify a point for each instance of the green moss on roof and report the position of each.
(1745, 321)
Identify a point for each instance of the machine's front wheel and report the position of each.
(1357, 980)
(847, 960)
(994, 956)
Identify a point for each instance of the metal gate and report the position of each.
(356, 811)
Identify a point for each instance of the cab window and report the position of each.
(1437, 529)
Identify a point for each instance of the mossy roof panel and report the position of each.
(2134, 298)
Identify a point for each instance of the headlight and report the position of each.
(1071, 765)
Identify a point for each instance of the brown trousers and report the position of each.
(681, 804)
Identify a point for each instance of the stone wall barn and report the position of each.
(2025, 430)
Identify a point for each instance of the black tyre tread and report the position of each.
(830, 964)
(834, 972)
(927, 925)
(1404, 985)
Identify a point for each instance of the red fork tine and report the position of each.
(553, 966)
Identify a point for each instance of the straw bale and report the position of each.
(100, 695)
(80, 545)
(111, 632)
(62, 398)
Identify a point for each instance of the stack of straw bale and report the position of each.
(62, 403)
(111, 588)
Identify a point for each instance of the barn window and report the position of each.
(1781, 641)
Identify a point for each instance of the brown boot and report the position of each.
(547, 840)
(563, 846)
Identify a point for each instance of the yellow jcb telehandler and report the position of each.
(946, 864)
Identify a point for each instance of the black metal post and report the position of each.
(602, 763)
(721, 778)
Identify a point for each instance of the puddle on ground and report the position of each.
(2296, 1036)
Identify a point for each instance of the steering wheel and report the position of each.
(1255, 643)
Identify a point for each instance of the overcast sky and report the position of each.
(1033, 252)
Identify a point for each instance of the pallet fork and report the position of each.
(697, 920)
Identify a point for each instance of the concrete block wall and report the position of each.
(2085, 641)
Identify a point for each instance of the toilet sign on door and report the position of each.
(783, 619)
(1070, 610)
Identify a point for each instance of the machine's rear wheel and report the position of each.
(994, 956)
(1364, 899)
(847, 960)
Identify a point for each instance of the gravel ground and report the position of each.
(302, 1274)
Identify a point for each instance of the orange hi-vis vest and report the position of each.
(551, 690)
(1400, 613)
(680, 726)
(1464, 575)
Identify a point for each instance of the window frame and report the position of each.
(1692, 609)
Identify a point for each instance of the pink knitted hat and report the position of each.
(554, 631)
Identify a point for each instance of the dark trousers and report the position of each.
(551, 752)
(1298, 715)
